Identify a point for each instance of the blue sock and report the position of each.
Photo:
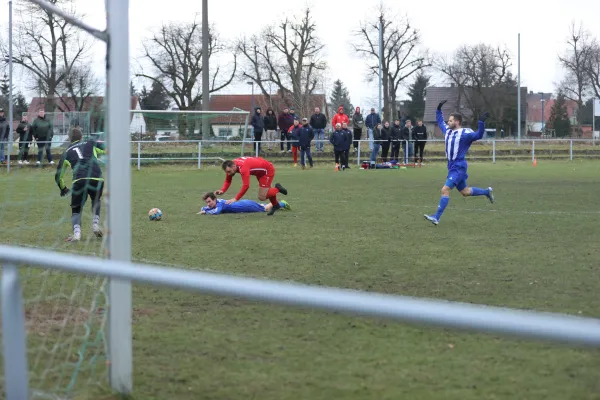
(479, 192)
(443, 203)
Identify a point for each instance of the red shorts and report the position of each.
(265, 181)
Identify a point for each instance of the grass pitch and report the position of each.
(536, 248)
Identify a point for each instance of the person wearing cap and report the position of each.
(306, 135)
(4, 134)
(338, 140)
(371, 122)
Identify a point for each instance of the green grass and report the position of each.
(536, 248)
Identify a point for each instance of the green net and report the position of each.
(65, 313)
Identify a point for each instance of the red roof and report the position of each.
(534, 109)
(227, 102)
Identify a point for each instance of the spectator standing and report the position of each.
(294, 133)
(304, 140)
(348, 138)
(376, 144)
(270, 124)
(396, 134)
(419, 135)
(385, 138)
(4, 134)
(41, 131)
(318, 122)
(293, 114)
(405, 137)
(371, 122)
(338, 140)
(258, 124)
(339, 117)
(24, 131)
(357, 127)
(285, 122)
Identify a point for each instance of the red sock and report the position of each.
(274, 201)
(272, 193)
(295, 156)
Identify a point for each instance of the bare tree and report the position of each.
(46, 46)
(483, 78)
(174, 53)
(76, 88)
(592, 67)
(401, 57)
(288, 55)
(575, 60)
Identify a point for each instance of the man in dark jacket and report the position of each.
(4, 134)
(318, 123)
(305, 138)
(419, 135)
(357, 127)
(371, 122)
(338, 140)
(285, 122)
(24, 131)
(406, 133)
(395, 136)
(259, 126)
(270, 122)
(348, 138)
(41, 130)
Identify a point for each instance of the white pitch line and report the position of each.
(545, 212)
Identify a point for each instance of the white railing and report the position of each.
(198, 150)
(525, 324)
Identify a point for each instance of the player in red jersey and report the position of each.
(263, 170)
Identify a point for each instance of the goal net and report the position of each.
(65, 313)
(159, 136)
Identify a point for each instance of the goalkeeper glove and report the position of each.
(439, 107)
(484, 116)
(64, 191)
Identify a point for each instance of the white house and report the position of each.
(138, 122)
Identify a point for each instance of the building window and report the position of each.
(224, 132)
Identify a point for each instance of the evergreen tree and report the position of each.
(416, 91)
(155, 99)
(341, 97)
(559, 117)
(20, 106)
(132, 89)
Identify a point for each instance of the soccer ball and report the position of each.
(154, 214)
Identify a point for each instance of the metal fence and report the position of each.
(199, 151)
(526, 324)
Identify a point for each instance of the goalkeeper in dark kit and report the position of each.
(82, 157)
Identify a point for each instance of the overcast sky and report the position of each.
(543, 24)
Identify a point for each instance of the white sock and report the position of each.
(96, 219)
(77, 230)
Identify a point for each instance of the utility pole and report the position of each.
(205, 74)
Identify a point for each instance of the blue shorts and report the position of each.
(457, 178)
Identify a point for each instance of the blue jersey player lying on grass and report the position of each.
(458, 140)
(216, 206)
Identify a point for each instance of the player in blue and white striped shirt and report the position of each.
(458, 140)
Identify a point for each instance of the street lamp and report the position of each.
(543, 109)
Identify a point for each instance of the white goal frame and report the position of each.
(121, 271)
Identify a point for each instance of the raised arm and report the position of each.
(480, 127)
(439, 116)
